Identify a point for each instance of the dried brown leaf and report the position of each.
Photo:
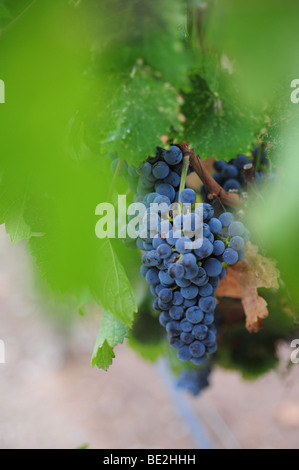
(243, 280)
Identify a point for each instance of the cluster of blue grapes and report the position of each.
(230, 174)
(194, 381)
(183, 280)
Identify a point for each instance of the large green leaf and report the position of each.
(142, 110)
(71, 269)
(47, 187)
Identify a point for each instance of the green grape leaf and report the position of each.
(47, 184)
(111, 333)
(215, 123)
(142, 110)
(113, 289)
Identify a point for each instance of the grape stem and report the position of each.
(229, 199)
(186, 161)
(224, 239)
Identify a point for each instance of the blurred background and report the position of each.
(52, 398)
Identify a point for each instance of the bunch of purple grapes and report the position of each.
(230, 175)
(184, 280)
